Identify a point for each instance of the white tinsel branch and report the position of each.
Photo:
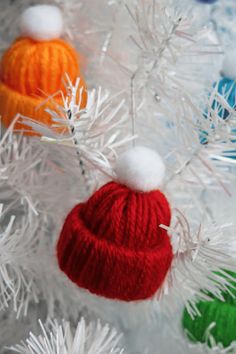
(172, 53)
(201, 152)
(95, 132)
(33, 184)
(17, 243)
(61, 339)
(202, 262)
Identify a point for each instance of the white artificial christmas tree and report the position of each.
(152, 69)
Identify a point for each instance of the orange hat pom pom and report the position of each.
(34, 67)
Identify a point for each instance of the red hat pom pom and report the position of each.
(113, 245)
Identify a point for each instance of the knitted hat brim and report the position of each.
(106, 269)
(13, 103)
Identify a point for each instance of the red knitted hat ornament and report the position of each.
(112, 245)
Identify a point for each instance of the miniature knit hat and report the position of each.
(113, 245)
(216, 319)
(34, 66)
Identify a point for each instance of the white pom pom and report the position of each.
(42, 22)
(140, 169)
(229, 67)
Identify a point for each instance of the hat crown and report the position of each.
(37, 68)
(127, 218)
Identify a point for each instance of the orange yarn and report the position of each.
(30, 71)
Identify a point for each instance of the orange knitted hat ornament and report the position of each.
(113, 245)
(34, 67)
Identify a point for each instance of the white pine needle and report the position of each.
(61, 339)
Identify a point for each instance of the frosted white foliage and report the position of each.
(160, 56)
(33, 184)
(32, 176)
(42, 22)
(95, 133)
(140, 168)
(223, 16)
(201, 258)
(62, 339)
(228, 69)
(158, 60)
(165, 37)
(20, 222)
(201, 154)
(16, 243)
(20, 327)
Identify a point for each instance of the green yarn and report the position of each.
(223, 314)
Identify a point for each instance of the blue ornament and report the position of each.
(207, 1)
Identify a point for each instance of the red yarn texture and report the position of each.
(113, 246)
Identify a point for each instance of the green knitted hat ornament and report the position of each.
(220, 313)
